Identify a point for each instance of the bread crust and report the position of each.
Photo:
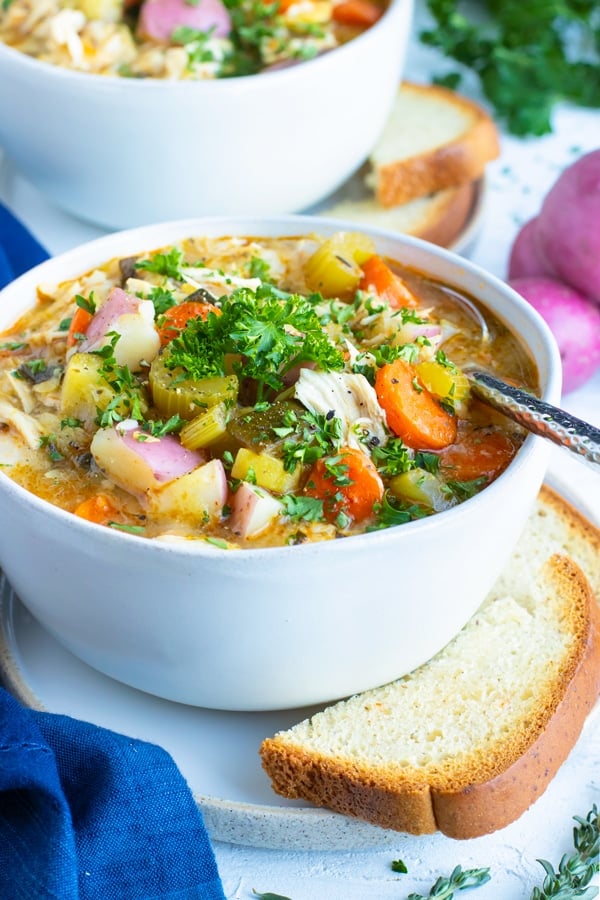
(456, 162)
(484, 794)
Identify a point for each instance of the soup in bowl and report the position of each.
(210, 126)
(246, 456)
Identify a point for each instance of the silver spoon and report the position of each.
(539, 417)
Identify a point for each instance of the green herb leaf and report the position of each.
(272, 331)
(269, 896)
(398, 865)
(130, 529)
(459, 880)
(167, 264)
(307, 509)
(576, 871)
(86, 303)
(528, 56)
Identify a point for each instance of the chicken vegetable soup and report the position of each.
(181, 39)
(255, 392)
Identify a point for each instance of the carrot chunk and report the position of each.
(79, 325)
(176, 318)
(99, 509)
(412, 412)
(348, 483)
(381, 280)
(360, 13)
(477, 453)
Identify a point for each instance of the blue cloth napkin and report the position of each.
(19, 250)
(89, 814)
(86, 813)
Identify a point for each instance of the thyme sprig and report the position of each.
(575, 871)
(459, 880)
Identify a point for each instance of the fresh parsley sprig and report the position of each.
(528, 56)
(268, 331)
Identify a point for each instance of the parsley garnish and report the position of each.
(71, 422)
(14, 345)
(307, 509)
(462, 490)
(316, 436)
(123, 383)
(86, 303)
(130, 529)
(167, 264)
(398, 865)
(528, 56)
(270, 330)
(162, 299)
(159, 428)
(48, 443)
(392, 512)
(259, 268)
(393, 458)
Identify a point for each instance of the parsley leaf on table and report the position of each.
(528, 54)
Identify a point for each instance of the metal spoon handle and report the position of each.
(539, 417)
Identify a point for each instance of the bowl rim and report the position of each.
(97, 251)
(110, 82)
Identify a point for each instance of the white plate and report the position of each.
(216, 751)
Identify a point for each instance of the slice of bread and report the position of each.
(467, 742)
(434, 139)
(438, 218)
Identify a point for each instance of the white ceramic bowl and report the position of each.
(278, 627)
(122, 152)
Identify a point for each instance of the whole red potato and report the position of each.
(526, 257)
(567, 230)
(574, 321)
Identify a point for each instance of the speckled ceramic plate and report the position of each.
(216, 751)
(465, 241)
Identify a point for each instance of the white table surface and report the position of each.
(517, 181)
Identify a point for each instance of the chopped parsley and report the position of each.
(390, 512)
(86, 303)
(167, 264)
(271, 331)
(307, 509)
(316, 435)
(528, 56)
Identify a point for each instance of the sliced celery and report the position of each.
(206, 429)
(173, 393)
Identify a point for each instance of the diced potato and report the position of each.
(420, 486)
(447, 382)
(107, 10)
(267, 471)
(139, 341)
(198, 496)
(334, 269)
(84, 391)
(121, 463)
(252, 510)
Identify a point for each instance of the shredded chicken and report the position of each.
(351, 398)
(24, 424)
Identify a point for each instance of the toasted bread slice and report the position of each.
(470, 740)
(434, 139)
